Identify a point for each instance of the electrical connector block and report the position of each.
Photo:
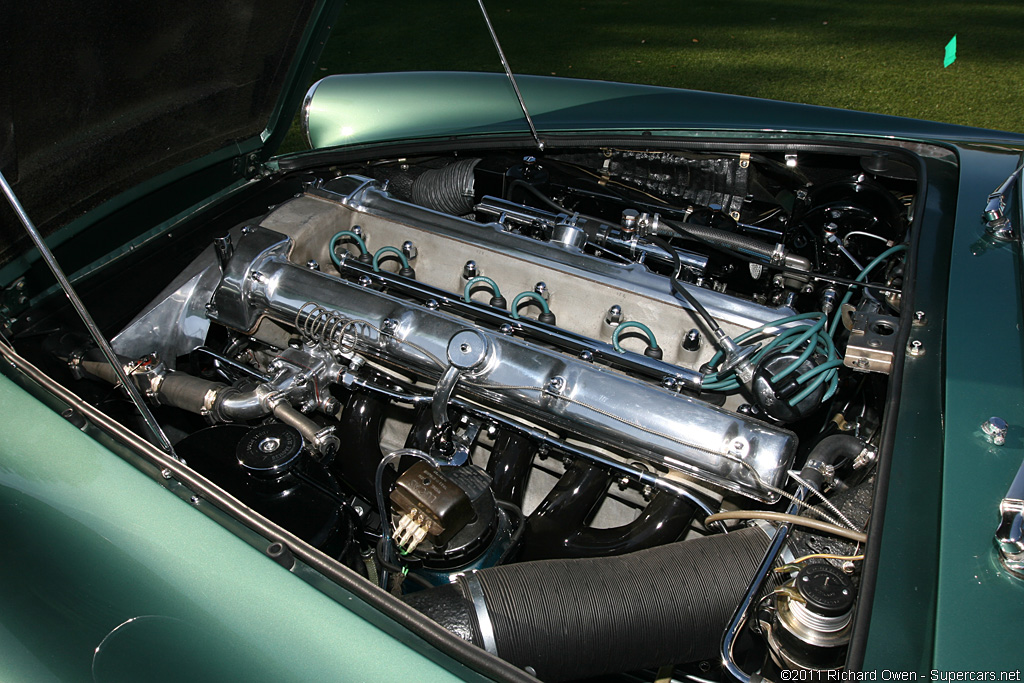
(430, 504)
(411, 530)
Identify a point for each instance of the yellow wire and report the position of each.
(827, 556)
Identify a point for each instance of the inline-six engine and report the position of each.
(450, 373)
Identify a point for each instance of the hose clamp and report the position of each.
(828, 472)
(778, 256)
(483, 619)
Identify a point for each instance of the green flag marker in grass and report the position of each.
(950, 53)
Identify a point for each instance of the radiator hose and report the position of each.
(577, 618)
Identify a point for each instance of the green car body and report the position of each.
(114, 566)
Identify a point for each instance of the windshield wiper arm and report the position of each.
(90, 324)
(998, 224)
(511, 78)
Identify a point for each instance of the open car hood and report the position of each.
(98, 98)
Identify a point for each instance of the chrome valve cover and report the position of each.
(570, 394)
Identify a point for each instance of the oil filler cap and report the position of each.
(269, 451)
(827, 590)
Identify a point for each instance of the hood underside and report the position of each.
(97, 98)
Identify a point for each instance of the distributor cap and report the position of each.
(827, 590)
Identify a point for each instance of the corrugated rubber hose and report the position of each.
(576, 618)
(448, 189)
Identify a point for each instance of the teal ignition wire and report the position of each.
(817, 337)
(352, 236)
(819, 342)
(389, 250)
(860, 278)
(628, 325)
(525, 295)
(480, 278)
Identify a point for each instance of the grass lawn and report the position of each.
(874, 55)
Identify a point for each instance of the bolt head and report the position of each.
(995, 429)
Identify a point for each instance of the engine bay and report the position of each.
(625, 404)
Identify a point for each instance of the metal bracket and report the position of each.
(13, 299)
(997, 222)
(248, 165)
(872, 344)
(1009, 536)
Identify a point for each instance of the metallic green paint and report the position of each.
(318, 31)
(942, 602)
(902, 618)
(980, 611)
(364, 108)
(91, 543)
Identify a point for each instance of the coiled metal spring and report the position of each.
(324, 327)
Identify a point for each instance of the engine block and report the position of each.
(564, 378)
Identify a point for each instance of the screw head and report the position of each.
(165, 473)
(916, 348)
(194, 500)
(920, 318)
(556, 384)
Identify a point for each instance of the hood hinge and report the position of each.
(14, 300)
(249, 166)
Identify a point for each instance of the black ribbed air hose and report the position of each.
(448, 189)
(571, 619)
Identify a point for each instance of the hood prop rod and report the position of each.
(83, 313)
(511, 78)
